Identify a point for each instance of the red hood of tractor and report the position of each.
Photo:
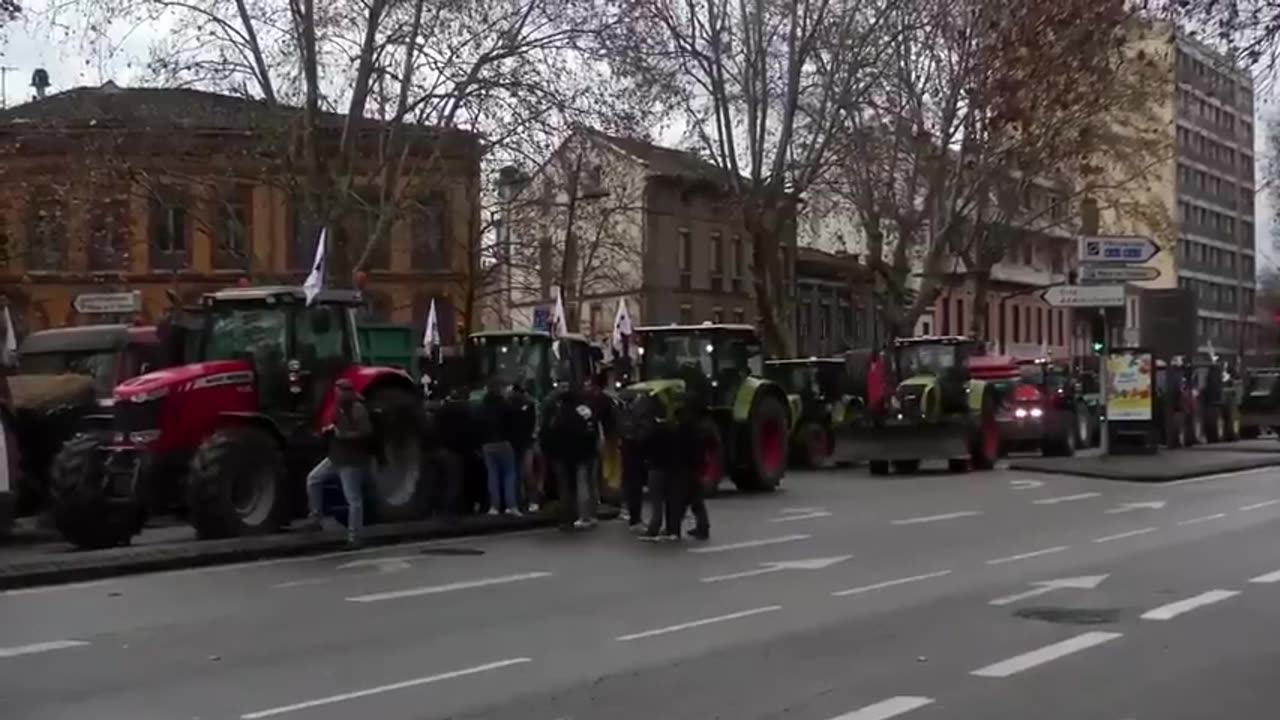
(171, 378)
(1027, 393)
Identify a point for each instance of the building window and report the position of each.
(46, 229)
(960, 327)
(736, 249)
(686, 260)
(717, 315)
(946, 317)
(304, 232)
(1040, 325)
(109, 231)
(597, 319)
(686, 314)
(170, 229)
(233, 242)
(824, 322)
(1017, 326)
(739, 316)
(361, 224)
(430, 227)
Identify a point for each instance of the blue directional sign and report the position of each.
(1133, 249)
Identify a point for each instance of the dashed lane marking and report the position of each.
(1026, 555)
(890, 583)
(698, 623)
(749, 544)
(1123, 535)
(1066, 498)
(885, 709)
(1203, 519)
(936, 518)
(1174, 609)
(1048, 653)
(450, 587)
(806, 516)
(1271, 577)
(40, 647)
(330, 700)
(1255, 506)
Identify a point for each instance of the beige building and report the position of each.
(637, 221)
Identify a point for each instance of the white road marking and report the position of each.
(890, 583)
(1203, 518)
(749, 544)
(699, 623)
(451, 587)
(303, 582)
(1255, 506)
(1024, 556)
(51, 588)
(1087, 582)
(34, 648)
(1173, 610)
(1271, 577)
(806, 516)
(384, 565)
(1132, 506)
(1066, 498)
(801, 511)
(384, 688)
(1026, 484)
(1123, 535)
(893, 707)
(1048, 653)
(773, 567)
(936, 518)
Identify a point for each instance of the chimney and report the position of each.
(40, 81)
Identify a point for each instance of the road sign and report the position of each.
(1117, 249)
(1118, 273)
(1084, 295)
(116, 303)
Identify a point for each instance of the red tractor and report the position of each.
(238, 429)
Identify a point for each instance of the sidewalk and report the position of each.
(1164, 466)
(33, 559)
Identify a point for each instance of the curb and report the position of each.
(1152, 476)
(116, 562)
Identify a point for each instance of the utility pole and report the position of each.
(4, 84)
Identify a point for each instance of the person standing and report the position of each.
(570, 440)
(496, 425)
(661, 443)
(525, 420)
(691, 450)
(349, 459)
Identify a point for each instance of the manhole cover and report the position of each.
(452, 551)
(1070, 616)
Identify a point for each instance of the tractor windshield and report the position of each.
(234, 330)
(927, 359)
(664, 354)
(794, 378)
(514, 358)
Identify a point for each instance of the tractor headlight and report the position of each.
(1020, 413)
(1037, 412)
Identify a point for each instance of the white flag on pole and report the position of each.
(1213, 354)
(431, 335)
(559, 323)
(9, 351)
(315, 281)
(622, 326)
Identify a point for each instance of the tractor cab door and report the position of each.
(324, 348)
(953, 380)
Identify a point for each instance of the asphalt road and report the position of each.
(981, 597)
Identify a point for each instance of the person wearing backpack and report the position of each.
(570, 441)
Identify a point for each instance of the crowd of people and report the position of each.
(661, 454)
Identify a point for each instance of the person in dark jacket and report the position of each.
(570, 441)
(349, 460)
(691, 450)
(496, 423)
(657, 438)
(524, 424)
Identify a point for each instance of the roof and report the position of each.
(807, 361)
(662, 161)
(85, 338)
(934, 339)
(109, 105)
(524, 333)
(705, 327)
(261, 292)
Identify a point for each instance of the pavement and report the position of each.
(978, 596)
(1163, 466)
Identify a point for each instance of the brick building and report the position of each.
(140, 190)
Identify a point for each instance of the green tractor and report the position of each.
(749, 419)
(817, 391)
(937, 411)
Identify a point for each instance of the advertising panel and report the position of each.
(1129, 385)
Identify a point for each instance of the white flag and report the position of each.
(9, 351)
(621, 325)
(315, 281)
(559, 323)
(431, 335)
(1213, 354)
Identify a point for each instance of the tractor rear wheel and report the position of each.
(906, 467)
(82, 510)
(400, 492)
(878, 467)
(765, 454)
(813, 446)
(237, 484)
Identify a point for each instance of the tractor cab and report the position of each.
(817, 390)
(721, 357)
(819, 378)
(943, 362)
(532, 358)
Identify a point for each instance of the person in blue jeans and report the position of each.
(497, 428)
(349, 459)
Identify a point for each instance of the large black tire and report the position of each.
(958, 465)
(1061, 439)
(906, 467)
(238, 484)
(984, 449)
(764, 455)
(812, 445)
(399, 489)
(878, 467)
(83, 512)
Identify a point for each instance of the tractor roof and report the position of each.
(807, 361)
(933, 340)
(85, 338)
(993, 367)
(262, 292)
(704, 327)
(525, 333)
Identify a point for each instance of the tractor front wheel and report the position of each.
(399, 490)
(813, 446)
(82, 509)
(765, 454)
(237, 484)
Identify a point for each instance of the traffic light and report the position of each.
(1098, 333)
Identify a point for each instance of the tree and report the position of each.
(755, 85)
(1247, 29)
(979, 108)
